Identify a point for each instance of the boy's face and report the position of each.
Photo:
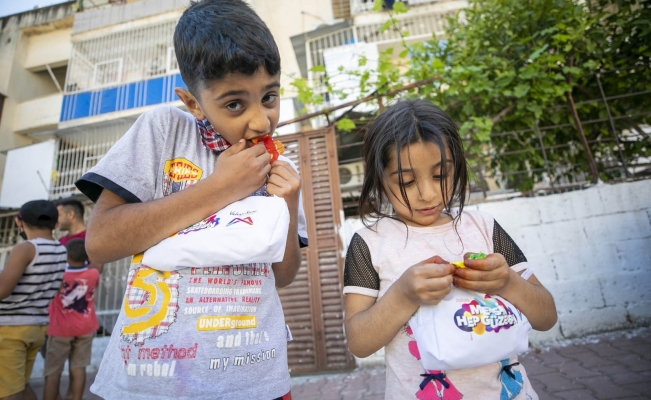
(238, 106)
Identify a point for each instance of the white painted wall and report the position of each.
(590, 248)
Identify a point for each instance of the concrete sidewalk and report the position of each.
(607, 366)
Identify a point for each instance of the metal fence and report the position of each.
(360, 6)
(120, 57)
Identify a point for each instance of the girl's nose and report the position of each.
(427, 191)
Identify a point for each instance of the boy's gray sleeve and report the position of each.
(130, 167)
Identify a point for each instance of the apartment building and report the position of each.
(72, 82)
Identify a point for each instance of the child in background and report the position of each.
(199, 333)
(72, 324)
(415, 164)
(30, 279)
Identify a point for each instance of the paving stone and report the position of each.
(574, 369)
(581, 394)
(552, 357)
(641, 387)
(604, 349)
(636, 363)
(555, 382)
(603, 388)
(627, 378)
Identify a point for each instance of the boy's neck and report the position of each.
(76, 265)
(39, 234)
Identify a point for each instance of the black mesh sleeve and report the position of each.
(359, 269)
(504, 245)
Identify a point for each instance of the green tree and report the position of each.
(528, 68)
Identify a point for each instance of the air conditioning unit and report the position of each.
(351, 175)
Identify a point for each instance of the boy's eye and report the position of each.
(408, 183)
(269, 98)
(234, 106)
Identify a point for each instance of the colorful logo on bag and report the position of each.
(209, 222)
(489, 315)
(246, 220)
(150, 304)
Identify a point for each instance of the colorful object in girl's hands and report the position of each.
(474, 256)
(273, 147)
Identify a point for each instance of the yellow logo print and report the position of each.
(181, 169)
(150, 304)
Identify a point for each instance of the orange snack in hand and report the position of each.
(273, 147)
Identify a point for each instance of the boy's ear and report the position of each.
(190, 102)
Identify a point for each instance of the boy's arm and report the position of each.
(285, 182)
(19, 258)
(117, 229)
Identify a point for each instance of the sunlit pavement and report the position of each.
(607, 366)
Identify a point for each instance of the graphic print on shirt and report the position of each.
(76, 296)
(179, 174)
(487, 315)
(435, 385)
(150, 303)
(225, 300)
(217, 307)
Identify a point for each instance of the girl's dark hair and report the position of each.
(402, 124)
(217, 37)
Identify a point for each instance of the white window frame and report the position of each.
(120, 62)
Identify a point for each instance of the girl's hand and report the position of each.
(427, 282)
(284, 182)
(489, 275)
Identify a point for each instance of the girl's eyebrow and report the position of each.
(438, 164)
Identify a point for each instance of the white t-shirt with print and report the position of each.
(209, 333)
(379, 255)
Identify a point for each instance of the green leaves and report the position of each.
(345, 124)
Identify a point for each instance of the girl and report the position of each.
(415, 164)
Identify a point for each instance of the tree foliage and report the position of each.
(509, 70)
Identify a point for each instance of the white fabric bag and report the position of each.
(469, 329)
(251, 230)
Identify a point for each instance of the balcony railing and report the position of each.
(121, 57)
(79, 149)
(360, 6)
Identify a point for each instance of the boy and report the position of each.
(72, 324)
(30, 279)
(219, 332)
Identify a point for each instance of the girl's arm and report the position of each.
(493, 275)
(371, 325)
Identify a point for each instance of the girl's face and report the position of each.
(422, 179)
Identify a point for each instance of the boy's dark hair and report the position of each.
(404, 123)
(217, 37)
(76, 249)
(74, 205)
(39, 214)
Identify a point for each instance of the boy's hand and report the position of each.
(284, 182)
(489, 275)
(427, 282)
(244, 169)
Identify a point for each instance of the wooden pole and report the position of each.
(588, 154)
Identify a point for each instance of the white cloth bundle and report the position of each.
(251, 230)
(469, 329)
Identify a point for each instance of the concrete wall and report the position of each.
(16, 82)
(591, 249)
